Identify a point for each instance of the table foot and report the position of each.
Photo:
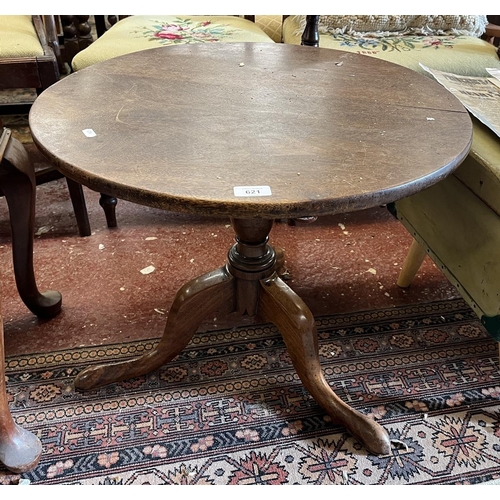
(45, 305)
(108, 204)
(280, 305)
(192, 304)
(20, 450)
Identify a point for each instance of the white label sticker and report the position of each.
(252, 191)
(89, 132)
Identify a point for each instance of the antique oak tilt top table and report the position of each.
(252, 132)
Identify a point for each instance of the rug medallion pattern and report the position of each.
(231, 410)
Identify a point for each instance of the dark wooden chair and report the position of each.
(20, 450)
(492, 34)
(33, 61)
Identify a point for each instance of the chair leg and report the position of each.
(20, 450)
(108, 203)
(17, 181)
(79, 206)
(411, 265)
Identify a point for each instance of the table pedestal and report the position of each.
(248, 284)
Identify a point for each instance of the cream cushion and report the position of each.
(136, 33)
(271, 25)
(402, 25)
(18, 37)
(461, 54)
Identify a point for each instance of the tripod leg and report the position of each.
(280, 305)
(193, 302)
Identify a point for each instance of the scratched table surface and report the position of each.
(251, 129)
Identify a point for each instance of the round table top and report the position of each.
(251, 130)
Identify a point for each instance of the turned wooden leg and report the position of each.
(17, 180)
(192, 304)
(79, 207)
(20, 450)
(108, 204)
(280, 305)
(412, 263)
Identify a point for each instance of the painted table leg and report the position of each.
(411, 264)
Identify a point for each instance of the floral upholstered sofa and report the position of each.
(447, 43)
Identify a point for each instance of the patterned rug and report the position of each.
(231, 410)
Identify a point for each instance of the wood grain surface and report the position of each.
(179, 127)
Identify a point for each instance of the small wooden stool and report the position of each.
(20, 450)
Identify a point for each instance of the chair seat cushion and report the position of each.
(460, 54)
(18, 37)
(381, 25)
(136, 33)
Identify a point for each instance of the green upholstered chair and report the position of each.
(457, 224)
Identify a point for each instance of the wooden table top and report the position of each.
(180, 127)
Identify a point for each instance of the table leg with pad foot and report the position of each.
(20, 450)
